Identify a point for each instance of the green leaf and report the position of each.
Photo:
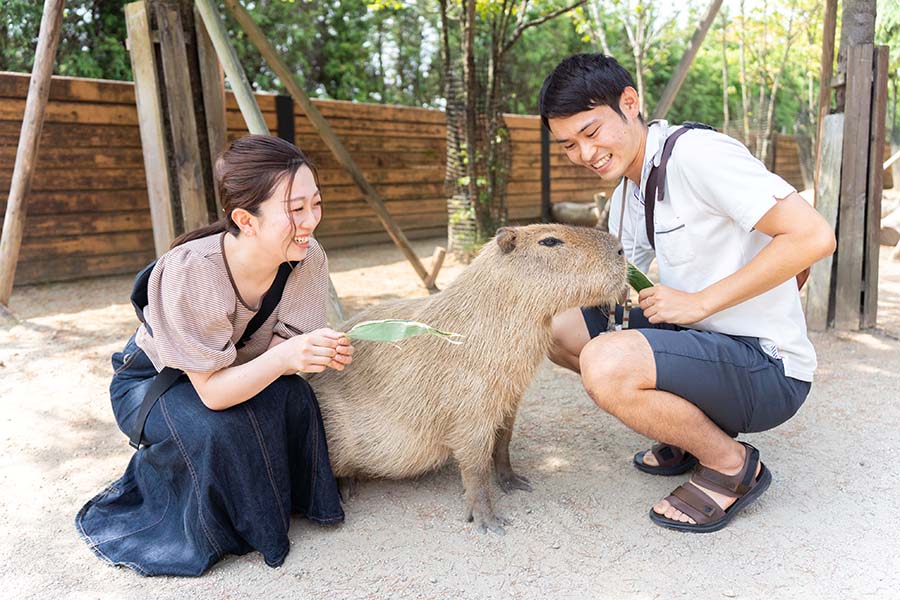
(637, 280)
(394, 330)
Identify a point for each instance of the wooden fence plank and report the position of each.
(72, 135)
(851, 220)
(819, 288)
(66, 268)
(72, 89)
(875, 183)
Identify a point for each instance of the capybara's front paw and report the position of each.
(485, 522)
(347, 487)
(510, 480)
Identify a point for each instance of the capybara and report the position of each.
(401, 410)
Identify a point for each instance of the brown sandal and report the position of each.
(707, 515)
(672, 460)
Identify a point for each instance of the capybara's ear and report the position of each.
(506, 239)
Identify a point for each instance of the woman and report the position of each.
(235, 447)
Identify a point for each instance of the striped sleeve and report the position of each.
(190, 312)
(303, 304)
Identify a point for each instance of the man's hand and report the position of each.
(663, 304)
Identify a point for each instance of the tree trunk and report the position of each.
(598, 28)
(471, 87)
(770, 115)
(857, 27)
(745, 93)
(724, 75)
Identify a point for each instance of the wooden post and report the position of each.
(182, 121)
(243, 93)
(29, 143)
(819, 288)
(671, 89)
(875, 184)
(153, 143)
(331, 139)
(854, 176)
(213, 84)
(826, 70)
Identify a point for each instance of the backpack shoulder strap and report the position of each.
(270, 301)
(656, 179)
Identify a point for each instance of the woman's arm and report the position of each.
(800, 237)
(309, 353)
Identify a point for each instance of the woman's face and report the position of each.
(286, 220)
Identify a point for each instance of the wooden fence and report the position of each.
(88, 213)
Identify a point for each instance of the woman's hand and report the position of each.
(317, 350)
(343, 355)
(663, 304)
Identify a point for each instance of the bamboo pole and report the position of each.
(331, 139)
(29, 142)
(826, 71)
(243, 93)
(671, 89)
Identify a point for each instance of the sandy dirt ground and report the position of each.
(827, 528)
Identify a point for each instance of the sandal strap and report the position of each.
(734, 486)
(667, 455)
(693, 502)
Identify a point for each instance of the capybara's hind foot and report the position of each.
(509, 480)
(347, 487)
(487, 522)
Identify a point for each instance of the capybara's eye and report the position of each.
(550, 242)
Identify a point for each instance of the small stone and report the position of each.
(729, 594)
(433, 580)
(555, 545)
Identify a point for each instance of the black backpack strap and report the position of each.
(656, 179)
(161, 383)
(270, 301)
(168, 376)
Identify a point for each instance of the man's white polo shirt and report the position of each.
(716, 192)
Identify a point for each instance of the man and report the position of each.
(719, 347)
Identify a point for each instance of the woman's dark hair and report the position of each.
(246, 174)
(582, 82)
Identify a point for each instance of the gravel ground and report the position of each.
(827, 527)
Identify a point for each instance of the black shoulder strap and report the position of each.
(656, 179)
(270, 301)
(168, 376)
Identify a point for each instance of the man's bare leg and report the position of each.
(619, 372)
(570, 335)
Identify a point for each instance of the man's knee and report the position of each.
(570, 335)
(615, 365)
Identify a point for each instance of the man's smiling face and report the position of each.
(602, 141)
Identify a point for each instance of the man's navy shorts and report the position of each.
(730, 378)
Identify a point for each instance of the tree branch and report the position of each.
(523, 26)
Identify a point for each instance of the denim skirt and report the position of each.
(210, 483)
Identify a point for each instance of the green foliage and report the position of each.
(92, 40)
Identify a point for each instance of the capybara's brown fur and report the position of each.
(405, 409)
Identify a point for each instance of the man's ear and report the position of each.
(506, 239)
(630, 103)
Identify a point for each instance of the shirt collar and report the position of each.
(656, 135)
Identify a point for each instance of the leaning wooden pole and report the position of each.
(334, 144)
(29, 141)
(671, 89)
(243, 93)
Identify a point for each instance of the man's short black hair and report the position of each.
(582, 82)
